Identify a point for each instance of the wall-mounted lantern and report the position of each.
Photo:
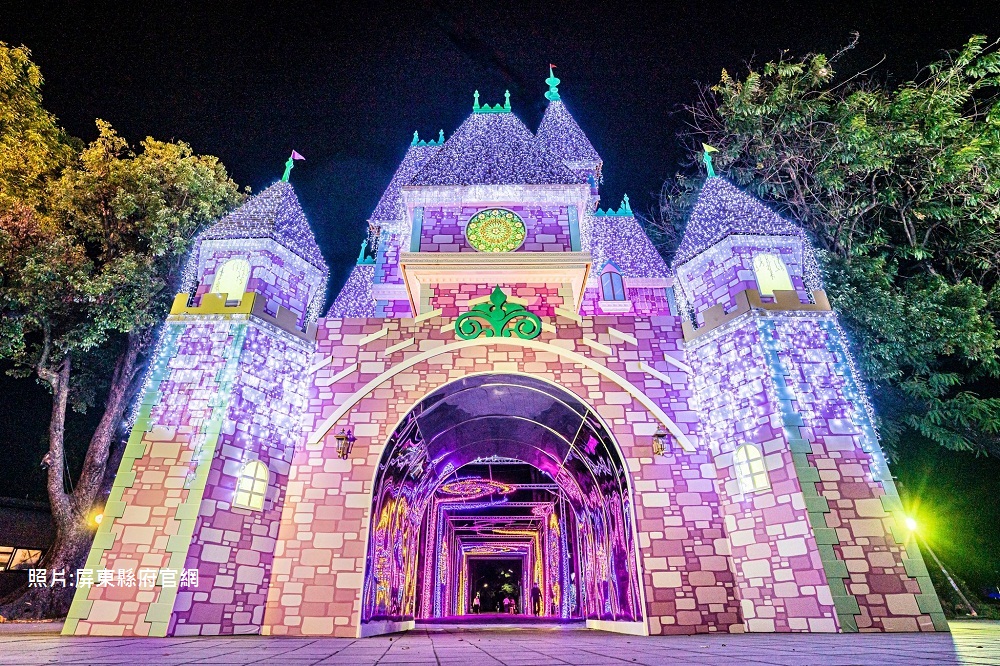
(345, 442)
(659, 442)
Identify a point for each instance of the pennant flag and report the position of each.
(551, 65)
(297, 156)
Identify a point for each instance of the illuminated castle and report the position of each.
(511, 393)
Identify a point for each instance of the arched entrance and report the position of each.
(507, 486)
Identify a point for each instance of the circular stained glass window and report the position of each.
(495, 230)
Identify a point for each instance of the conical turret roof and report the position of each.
(274, 213)
(355, 298)
(724, 210)
(560, 134)
(494, 149)
(389, 207)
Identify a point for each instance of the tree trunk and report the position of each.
(70, 511)
(114, 410)
(67, 554)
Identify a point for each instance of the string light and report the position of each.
(355, 298)
(560, 134)
(494, 149)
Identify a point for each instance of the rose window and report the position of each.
(495, 230)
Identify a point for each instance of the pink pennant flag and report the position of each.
(297, 156)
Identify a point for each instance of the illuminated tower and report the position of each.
(812, 517)
(203, 480)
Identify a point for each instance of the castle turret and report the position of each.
(803, 485)
(265, 248)
(560, 134)
(198, 497)
(733, 247)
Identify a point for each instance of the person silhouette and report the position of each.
(536, 599)
(476, 604)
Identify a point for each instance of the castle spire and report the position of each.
(707, 158)
(289, 164)
(553, 93)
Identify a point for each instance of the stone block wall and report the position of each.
(546, 228)
(780, 579)
(716, 275)
(276, 274)
(232, 547)
(370, 379)
(639, 302)
(455, 299)
(874, 567)
(151, 513)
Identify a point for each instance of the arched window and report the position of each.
(750, 471)
(252, 486)
(771, 274)
(232, 279)
(612, 288)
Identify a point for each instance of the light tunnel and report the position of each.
(501, 487)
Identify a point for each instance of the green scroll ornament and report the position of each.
(504, 320)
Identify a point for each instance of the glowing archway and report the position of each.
(580, 544)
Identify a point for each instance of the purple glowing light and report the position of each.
(622, 241)
(469, 489)
(494, 149)
(274, 213)
(724, 210)
(560, 134)
(355, 298)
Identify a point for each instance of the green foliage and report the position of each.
(32, 145)
(900, 188)
(103, 256)
(92, 237)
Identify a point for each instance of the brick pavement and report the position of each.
(443, 645)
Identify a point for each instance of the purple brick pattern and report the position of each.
(232, 547)
(273, 276)
(716, 276)
(779, 576)
(546, 228)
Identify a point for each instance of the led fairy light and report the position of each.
(275, 213)
(494, 149)
(723, 211)
(355, 298)
(389, 214)
(620, 239)
(560, 134)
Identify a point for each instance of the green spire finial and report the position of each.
(289, 164)
(553, 94)
(506, 100)
(475, 104)
(440, 137)
(707, 158)
(361, 255)
(626, 206)
(416, 138)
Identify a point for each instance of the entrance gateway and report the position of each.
(512, 395)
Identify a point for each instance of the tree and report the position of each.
(899, 188)
(92, 244)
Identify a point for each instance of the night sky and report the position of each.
(346, 87)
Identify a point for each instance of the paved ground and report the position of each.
(969, 643)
